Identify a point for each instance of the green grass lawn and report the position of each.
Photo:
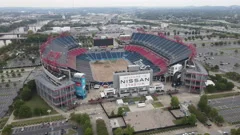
(37, 121)
(127, 99)
(157, 104)
(223, 95)
(126, 109)
(3, 122)
(230, 48)
(178, 121)
(155, 98)
(37, 101)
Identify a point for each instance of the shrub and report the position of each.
(101, 127)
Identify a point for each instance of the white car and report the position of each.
(22, 129)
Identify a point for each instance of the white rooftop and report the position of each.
(149, 98)
(209, 82)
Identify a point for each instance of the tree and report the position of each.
(202, 118)
(26, 94)
(118, 131)
(88, 131)
(33, 61)
(236, 65)
(13, 75)
(24, 112)
(120, 111)
(101, 127)
(220, 86)
(128, 130)
(37, 111)
(202, 104)
(14, 84)
(31, 85)
(236, 51)
(216, 67)
(22, 70)
(208, 109)
(174, 102)
(211, 89)
(235, 131)
(213, 113)
(7, 85)
(211, 53)
(18, 103)
(7, 130)
(192, 119)
(229, 85)
(219, 119)
(30, 32)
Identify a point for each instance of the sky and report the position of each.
(114, 3)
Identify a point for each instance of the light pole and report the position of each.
(49, 111)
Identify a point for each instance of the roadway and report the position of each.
(40, 129)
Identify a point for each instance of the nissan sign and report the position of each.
(130, 81)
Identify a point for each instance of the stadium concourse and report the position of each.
(62, 57)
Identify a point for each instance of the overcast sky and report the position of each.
(109, 3)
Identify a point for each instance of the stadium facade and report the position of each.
(133, 82)
(194, 77)
(62, 57)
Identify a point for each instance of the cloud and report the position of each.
(110, 3)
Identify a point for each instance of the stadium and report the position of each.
(154, 50)
(62, 57)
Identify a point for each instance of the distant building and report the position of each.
(164, 25)
(127, 22)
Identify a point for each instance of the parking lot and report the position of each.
(229, 108)
(54, 128)
(225, 103)
(213, 57)
(6, 98)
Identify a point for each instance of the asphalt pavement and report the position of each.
(40, 129)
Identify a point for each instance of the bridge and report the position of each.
(13, 33)
(12, 38)
(18, 33)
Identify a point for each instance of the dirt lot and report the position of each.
(103, 70)
(149, 119)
